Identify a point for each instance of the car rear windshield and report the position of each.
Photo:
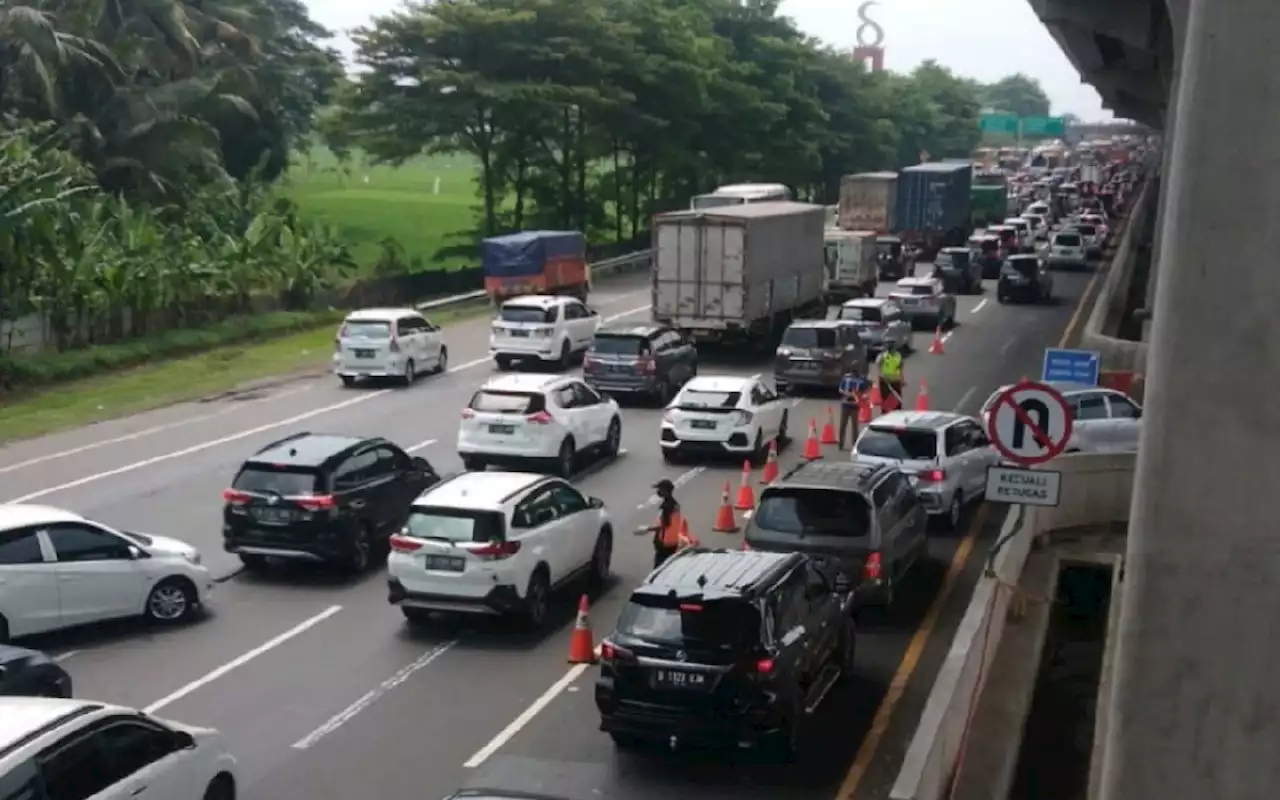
(283, 480)
(861, 313)
(1008, 234)
(719, 625)
(699, 400)
(1023, 266)
(814, 512)
(906, 444)
(920, 290)
(454, 524)
(1067, 240)
(366, 330)
(513, 313)
(615, 345)
(507, 402)
(809, 337)
(1087, 230)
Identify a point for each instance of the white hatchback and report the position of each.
(395, 343)
(516, 419)
(59, 570)
(724, 415)
(544, 328)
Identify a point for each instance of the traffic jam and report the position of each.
(729, 488)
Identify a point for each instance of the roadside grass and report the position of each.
(77, 403)
(423, 204)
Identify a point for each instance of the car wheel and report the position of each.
(1001, 298)
(361, 553)
(171, 600)
(955, 512)
(473, 464)
(254, 563)
(662, 394)
(537, 600)
(761, 453)
(442, 363)
(670, 456)
(566, 356)
(4, 630)
(565, 458)
(348, 381)
(613, 439)
(502, 362)
(221, 788)
(415, 616)
(601, 558)
(626, 741)
(783, 437)
(410, 373)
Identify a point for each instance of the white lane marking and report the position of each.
(1004, 348)
(475, 362)
(967, 396)
(946, 337)
(746, 515)
(678, 482)
(130, 437)
(241, 660)
(628, 313)
(369, 698)
(978, 307)
(420, 445)
(60, 657)
(508, 733)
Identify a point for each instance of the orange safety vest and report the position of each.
(673, 536)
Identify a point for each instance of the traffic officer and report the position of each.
(890, 365)
(851, 387)
(669, 532)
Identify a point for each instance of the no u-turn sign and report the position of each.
(1030, 423)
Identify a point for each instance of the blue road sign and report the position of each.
(1074, 366)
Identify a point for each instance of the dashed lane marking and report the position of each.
(420, 445)
(968, 395)
(978, 307)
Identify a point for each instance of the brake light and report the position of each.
(235, 496)
(764, 666)
(646, 364)
(403, 544)
(607, 651)
(871, 569)
(540, 418)
(497, 551)
(468, 413)
(691, 607)
(932, 476)
(317, 502)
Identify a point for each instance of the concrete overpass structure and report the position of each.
(1092, 130)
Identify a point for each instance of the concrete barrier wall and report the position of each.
(1095, 490)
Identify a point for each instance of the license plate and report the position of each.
(679, 679)
(520, 334)
(274, 514)
(907, 301)
(620, 368)
(506, 429)
(447, 563)
(364, 354)
(703, 424)
(810, 366)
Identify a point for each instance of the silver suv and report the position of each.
(944, 455)
(880, 323)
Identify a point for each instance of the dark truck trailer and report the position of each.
(933, 205)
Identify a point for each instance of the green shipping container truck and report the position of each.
(988, 205)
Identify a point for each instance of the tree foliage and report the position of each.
(1017, 94)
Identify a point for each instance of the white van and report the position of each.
(396, 343)
(739, 193)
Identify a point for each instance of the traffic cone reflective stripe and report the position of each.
(922, 397)
(770, 472)
(746, 497)
(935, 346)
(811, 449)
(829, 429)
(582, 647)
(725, 522)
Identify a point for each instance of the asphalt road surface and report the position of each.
(323, 692)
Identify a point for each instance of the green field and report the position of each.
(422, 204)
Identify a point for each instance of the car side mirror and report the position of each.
(1137, 413)
(595, 502)
(183, 740)
(421, 463)
(593, 312)
(135, 552)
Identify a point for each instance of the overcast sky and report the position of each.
(984, 40)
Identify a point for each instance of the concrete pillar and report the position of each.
(1157, 249)
(1196, 711)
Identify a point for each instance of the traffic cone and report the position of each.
(875, 400)
(770, 472)
(725, 522)
(922, 397)
(811, 449)
(746, 498)
(689, 539)
(864, 410)
(582, 648)
(828, 429)
(935, 346)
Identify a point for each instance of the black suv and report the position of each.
(321, 498)
(724, 647)
(646, 359)
(861, 524)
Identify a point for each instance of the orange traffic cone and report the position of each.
(582, 648)
(935, 346)
(770, 472)
(864, 410)
(725, 522)
(688, 538)
(874, 399)
(828, 429)
(922, 397)
(811, 449)
(746, 498)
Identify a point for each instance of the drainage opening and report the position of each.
(1057, 740)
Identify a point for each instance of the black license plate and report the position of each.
(364, 354)
(679, 679)
(521, 334)
(703, 424)
(447, 563)
(502, 429)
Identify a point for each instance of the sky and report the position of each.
(1002, 38)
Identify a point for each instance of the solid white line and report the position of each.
(967, 395)
(469, 364)
(420, 445)
(1004, 348)
(978, 307)
(369, 698)
(241, 660)
(622, 314)
(508, 733)
(60, 657)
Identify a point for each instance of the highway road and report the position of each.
(324, 693)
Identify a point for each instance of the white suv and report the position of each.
(515, 419)
(55, 748)
(542, 328)
(395, 343)
(59, 570)
(497, 544)
(944, 455)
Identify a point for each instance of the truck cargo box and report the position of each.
(737, 267)
(934, 197)
(869, 202)
(531, 262)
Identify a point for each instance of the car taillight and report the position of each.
(342, 332)
(314, 502)
(468, 413)
(744, 417)
(540, 418)
(871, 569)
(235, 496)
(646, 364)
(496, 551)
(764, 666)
(932, 476)
(610, 652)
(403, 544)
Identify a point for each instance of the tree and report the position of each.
(1017, 94)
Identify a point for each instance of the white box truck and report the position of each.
(869, 202)
(739, 273)
(852, 270)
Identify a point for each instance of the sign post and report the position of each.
(1029, 424)
(1070, 366)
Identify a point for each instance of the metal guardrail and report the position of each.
(631, 262)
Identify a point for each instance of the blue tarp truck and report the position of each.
(535, 262)
(933, 205)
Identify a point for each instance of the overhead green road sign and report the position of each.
(998, 123)
(1043, 126)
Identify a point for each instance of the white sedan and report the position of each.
(724, 415)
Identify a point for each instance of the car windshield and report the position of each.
(1022, 266)
(614, 345)
(1066, 240)
(506, 402)
(905, 444)
(515, 313)
(814, 512)
(718, 625)
(283, 480)
(809, 337)
(366, 330)
(860, 313)
(699, 399)
(454, 524)
(916, 289)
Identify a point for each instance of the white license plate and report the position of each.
(679, 679)
(364, 353)
(520, 334)
(703, 425)
(503, 429)
(447, 563)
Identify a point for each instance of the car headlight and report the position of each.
(193, 556)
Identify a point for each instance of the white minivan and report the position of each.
(397, 343)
